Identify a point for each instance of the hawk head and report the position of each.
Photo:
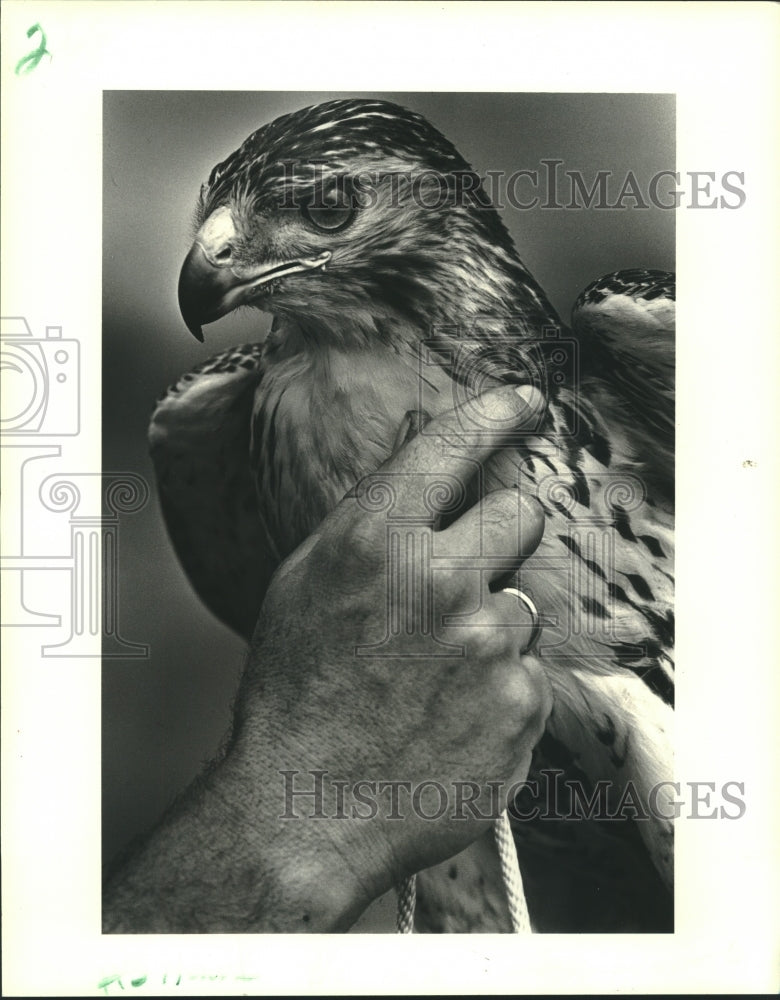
(346, 214)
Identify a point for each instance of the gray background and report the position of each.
(165, 715)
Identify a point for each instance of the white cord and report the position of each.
(510, 873)
(407, 897)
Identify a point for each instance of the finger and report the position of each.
(455, 443)
(496, 627)
(504, 529)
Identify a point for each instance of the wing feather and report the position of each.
(625, 323)
(199, 439)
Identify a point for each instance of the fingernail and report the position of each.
(418, 421)
(530, 395)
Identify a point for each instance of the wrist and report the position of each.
(317, 875)
(224, 860)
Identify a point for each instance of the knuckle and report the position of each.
(487, 641)
(533, 691)
(522, 690)
(357, 542)
(503, 504)
(453, 588)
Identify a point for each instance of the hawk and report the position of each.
(395, 290)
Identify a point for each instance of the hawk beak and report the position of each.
(212, 283)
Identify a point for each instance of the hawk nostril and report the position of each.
(224, 255)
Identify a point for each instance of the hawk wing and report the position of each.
(199, 440)
(625, 326)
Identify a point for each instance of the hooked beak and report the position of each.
(212, 284)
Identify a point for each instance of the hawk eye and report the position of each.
(330, 212)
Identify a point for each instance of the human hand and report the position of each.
(381, 729)
(461, 708)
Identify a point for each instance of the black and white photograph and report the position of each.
(377, 287)
(376, 438)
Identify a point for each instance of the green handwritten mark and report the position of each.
(28, 63)
(139, 981)
(105, 983)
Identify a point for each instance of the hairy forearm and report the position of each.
(223, 861)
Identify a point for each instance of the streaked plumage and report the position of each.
(391, 308)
